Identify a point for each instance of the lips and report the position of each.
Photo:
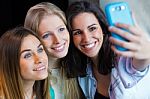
(39, 68)
(89, 46)
(59, 48)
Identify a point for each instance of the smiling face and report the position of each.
(87, 34)
(33, 59)
(55, 36)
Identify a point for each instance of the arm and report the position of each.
(138, 45)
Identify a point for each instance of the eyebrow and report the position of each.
(91, 25)
(63, 25)
(75, 30)
(49, 31)
(87, 27)
(29, 49)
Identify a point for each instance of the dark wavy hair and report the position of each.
(77, 61)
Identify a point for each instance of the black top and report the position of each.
(99, 96)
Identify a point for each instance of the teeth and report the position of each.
(89, 45)
(40, 68)
(59, 48)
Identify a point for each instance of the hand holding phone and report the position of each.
(118, 12)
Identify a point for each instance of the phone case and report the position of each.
(118, 12)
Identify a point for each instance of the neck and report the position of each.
(53, 63)
(95, 61)
(28, 88)
(103, 82)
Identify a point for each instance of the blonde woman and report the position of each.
(49, 22)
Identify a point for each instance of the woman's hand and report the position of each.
(138, 43)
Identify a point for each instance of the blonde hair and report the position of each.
(33, 18)
(36, 13)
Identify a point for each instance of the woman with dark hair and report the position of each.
(91, 55)
(89, 35)
(23, 66)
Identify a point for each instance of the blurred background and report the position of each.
(13, 12)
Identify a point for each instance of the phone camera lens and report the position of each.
(118, 8)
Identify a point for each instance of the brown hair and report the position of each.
(11, 85)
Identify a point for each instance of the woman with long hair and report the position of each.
(91, 42)
(49, 22)
(23, 66)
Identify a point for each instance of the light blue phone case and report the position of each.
(118, 12)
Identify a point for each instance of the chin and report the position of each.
(91, 55)
(42, 77)
(61, 55)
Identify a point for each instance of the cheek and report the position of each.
(46, 43)
(45, 57)
(101, 37)
(22, 64)
(100, 34)
(25, 66)
(66, 35)
(76, 41)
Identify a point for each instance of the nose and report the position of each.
(85, 36)
(37, 59)
(56, 38)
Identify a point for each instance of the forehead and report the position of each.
(29, 41)
(50, 22)
(84, 19)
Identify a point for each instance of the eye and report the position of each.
(27, 55)
(45, 35)
(40, 49)
(92, 29)
(61, 29)
(76, 32)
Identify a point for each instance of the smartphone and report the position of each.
(118, 12)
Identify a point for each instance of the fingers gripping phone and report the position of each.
(118, 12)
